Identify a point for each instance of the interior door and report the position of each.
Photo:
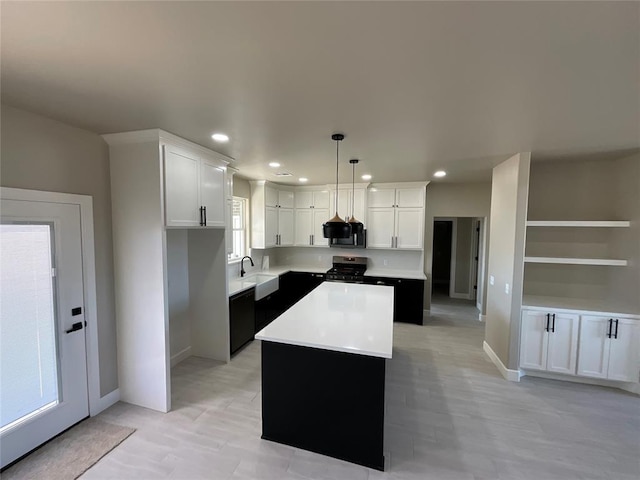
(42, 337)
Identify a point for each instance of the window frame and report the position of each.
(245, 230)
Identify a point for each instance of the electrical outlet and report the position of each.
(506, 288)
(385, 262)
(492, 280)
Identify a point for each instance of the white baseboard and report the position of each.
(482, 318)
(627, 386)
(511, 375)
(105, 402)
(180, 356)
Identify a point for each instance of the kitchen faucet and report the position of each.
(242, 272)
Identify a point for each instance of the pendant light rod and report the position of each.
(338, 137)
(353, 162)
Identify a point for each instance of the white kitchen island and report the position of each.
(323, 372)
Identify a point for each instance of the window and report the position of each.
(239, 225)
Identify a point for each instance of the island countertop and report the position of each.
(343, 317)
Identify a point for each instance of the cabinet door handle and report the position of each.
(548, 318)
(201, 217)
(615, 335)
(313, 239)
(610, 327)
(205, 215)
(310, 243)
(553, 325)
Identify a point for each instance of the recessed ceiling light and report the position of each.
(366, 177)
(274, 164)
(440, 173)
(303, 179)
(220, 137)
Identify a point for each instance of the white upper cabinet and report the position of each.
(311, 211)
(312, 199)
(195, 193)
(396, 217)
(272, 218)
(350, 203)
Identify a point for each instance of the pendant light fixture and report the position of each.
(357, 227)
(336, 227)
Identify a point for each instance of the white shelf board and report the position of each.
(579, 305)
(579, 223)
(577, 261)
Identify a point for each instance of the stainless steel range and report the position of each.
(347, 269)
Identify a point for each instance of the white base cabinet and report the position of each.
(549, 341)
(609, 348)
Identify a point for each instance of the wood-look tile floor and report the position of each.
(449, 415)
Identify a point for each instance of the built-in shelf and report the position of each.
(577, 261)
(578, 223)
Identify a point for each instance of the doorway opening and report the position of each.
(458, 261)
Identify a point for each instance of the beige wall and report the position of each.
(451, 200)
(509, 195)
(42, 154)
(241, 187)
(463, 254)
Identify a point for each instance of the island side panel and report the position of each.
(324, 401)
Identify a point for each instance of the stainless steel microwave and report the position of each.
(353, 241)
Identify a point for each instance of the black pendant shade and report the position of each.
(357, 227)
(336, 227)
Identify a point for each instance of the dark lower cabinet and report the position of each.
(292, 287)
(241, 319)
(408, 302)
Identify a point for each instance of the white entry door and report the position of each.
(42, 337)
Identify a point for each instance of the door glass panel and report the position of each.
(28, 356)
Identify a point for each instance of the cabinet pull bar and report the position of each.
(313, 239)
(201, 216)
(546, 329)
(205, 216)
(553, 325)
(615, 335)
(610, 327)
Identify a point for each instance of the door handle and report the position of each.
(615, 335)
(75, 327)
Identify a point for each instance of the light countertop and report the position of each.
(343, 317)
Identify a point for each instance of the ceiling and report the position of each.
(415, 86)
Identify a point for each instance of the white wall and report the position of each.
(509, 195)
(42, 154)
(178, 294)
(452, 200)
(241, 187)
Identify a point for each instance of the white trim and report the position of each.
(482, 318)
(400, 185)
(511, 375)
(454, 254)
(105, 402)
(180, 356)
(627, 386)
(161, 136)
(85, 203)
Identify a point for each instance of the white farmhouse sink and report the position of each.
(265, 284)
